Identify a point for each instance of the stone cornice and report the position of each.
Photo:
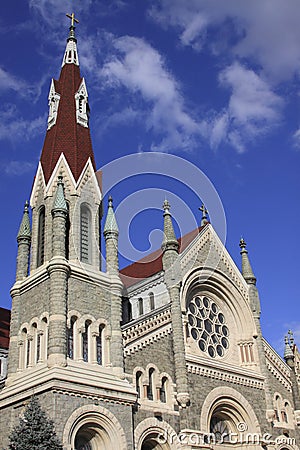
(145, 284)
(142, 332)
(277, 366)
(224, 372)
(78, 378)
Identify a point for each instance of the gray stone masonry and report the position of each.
(59, 406)
(23, 258)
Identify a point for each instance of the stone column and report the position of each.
(58, 269)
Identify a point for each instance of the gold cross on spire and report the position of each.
(73, 20)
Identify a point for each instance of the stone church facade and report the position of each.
(165, 354)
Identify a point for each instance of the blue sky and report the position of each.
(215, 83)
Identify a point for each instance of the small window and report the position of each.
(85, 234)
(151, 301)
(141, 306)
(138, 379)
(71, 331)
(85, 341)
(150, 385)
(99, 345)
(163, 390)
(41, 237)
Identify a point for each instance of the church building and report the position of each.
(165, 354)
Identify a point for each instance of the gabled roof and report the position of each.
(152, 263)
(66, 135)
(4, 328)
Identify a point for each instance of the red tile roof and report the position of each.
(4, 327)
(152, 263)
(67, 136)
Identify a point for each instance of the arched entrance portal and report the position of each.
(152, 442)
(92, 427)
(92, 437)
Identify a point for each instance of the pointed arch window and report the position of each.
(85, 234)
(41, 237)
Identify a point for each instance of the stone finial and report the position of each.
(111, 225)
(204, 215)
(25, 229)
(170, 241)
(60, 203)
(288, 353)
(247, 271)
(291, 338)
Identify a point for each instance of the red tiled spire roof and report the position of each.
(152, 263)
(4, 327)
(66, 135)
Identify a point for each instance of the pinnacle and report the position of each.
(25, 229)
(111, 225)
(247, 271)
(60, 201)
(288, 353)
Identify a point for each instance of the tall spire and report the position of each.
(247, 271)
(68, 123)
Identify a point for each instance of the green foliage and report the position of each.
(35, 431)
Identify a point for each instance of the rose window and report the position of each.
(207, 326)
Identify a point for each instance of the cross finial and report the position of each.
(73, 19)
(204, 214)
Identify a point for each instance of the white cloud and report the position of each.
(266, 31)
(19, 167)
(141, 69)
(9, 81)
(15, 128)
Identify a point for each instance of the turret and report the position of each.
(171, 266)
(24, 241)
(59, 217)
(289, 356)
(250, 278)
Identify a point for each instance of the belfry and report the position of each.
(164, 354)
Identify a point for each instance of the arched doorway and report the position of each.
(92, 437)
(92, 427)
(152, 442)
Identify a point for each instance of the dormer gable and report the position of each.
(53, 102)
(82, 106)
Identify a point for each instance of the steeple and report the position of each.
(246, 266)
(68, 122)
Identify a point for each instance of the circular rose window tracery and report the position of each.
(207, 326)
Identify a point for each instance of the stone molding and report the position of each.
(230, 396)
(149, 329)
(78, 378)
(145, 285)
(95, 415)
(223, 372)
(151, 426)
(277, 366)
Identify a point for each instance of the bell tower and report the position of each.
(66, 312)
